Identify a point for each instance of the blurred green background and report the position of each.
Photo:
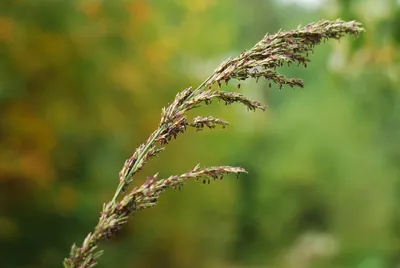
(82, 84)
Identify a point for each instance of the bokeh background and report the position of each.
(82, 83)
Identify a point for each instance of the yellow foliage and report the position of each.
(157, 53)
(198, 5)
(139, 10)
(26, 146)
(66, 199)
(91, 9)
(6, 29)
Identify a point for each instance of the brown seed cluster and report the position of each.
(263, 60)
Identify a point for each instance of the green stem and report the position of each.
(122, 184)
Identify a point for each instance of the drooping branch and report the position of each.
(114, 215)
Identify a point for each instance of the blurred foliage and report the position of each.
(82, 84)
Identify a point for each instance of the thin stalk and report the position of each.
(122, 183)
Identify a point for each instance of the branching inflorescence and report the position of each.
(273, 51)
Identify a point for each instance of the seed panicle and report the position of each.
(261, 61)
